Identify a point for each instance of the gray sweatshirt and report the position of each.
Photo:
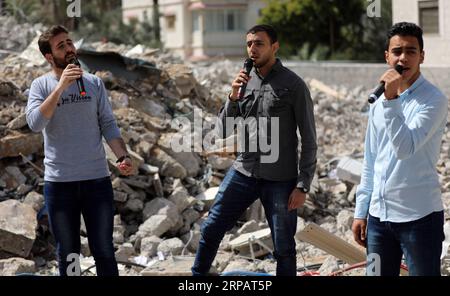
(73, 136)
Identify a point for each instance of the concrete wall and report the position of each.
(436, 46)
(352, 75)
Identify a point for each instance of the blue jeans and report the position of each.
(420, 241)
(94, 199)
(236, 193)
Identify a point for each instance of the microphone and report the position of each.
(248, 65)
(80, 83)
(380, 88)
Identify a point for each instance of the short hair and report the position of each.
(44, 39)
(405, 29)
(265, 28)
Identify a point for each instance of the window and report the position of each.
(429, 16)
(231, 20)
(195, 21)
(170, 22)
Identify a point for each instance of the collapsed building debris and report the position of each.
(160, 209)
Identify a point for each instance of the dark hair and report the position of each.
(265, 28)
(44, 39)
(405, 29)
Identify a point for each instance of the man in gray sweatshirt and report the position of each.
(77, 178)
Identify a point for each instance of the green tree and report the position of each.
(311, 24)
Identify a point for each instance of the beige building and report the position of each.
(434, 18)
(200, 28)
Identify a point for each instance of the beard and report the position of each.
(261, 63)
(62, 63)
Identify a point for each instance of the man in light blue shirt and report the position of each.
(398, 204)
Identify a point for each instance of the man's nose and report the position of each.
(403, 58)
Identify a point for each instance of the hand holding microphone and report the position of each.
(80, 83)
(388, 78)
(239, 84)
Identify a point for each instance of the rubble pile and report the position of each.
(160, 209)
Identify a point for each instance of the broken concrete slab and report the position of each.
(260, 240)
(18, 225)
(15, 266)
(349, 169)
(120, 66)
(249, 226)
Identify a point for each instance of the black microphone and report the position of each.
(380, 88)
(80, 83)
(248, 65)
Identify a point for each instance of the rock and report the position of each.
(168, 166)
(18, 122)
(155, 225)
(149, 169)
(124, 252)
(172, 246)
(192, 238)
(220, 163)
(120, 196)
(14, 266)
(240, 265)
(329, 266)
(35, 200)
(183, 78)
(134, 205)
(149, 245)
(24, 189)
(17, 227)
(150, 107)
(160, 205)
(85, 250)
(17, 142)
(188, 159)
(344, 220)
(13, 177)
(119, 100)
(181, 198)
(189, 216)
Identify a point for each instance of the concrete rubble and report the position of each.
(160, 210)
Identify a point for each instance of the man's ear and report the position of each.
(422, 56)
(275, 47)
(49, 58)
(386, 56)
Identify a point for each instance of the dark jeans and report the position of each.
(236, 193)
(420, 241)
(94, 199)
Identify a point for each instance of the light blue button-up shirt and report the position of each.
(399, 181)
